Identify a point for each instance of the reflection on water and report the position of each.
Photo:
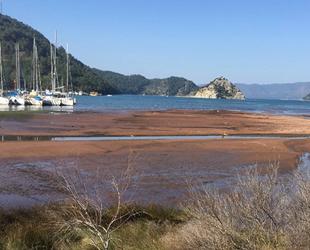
(35, 108)
(34, 182)
(120, 138)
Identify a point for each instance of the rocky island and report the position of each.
(220, 88)
(306, 98)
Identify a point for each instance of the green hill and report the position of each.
(137, 84)
(83, 77)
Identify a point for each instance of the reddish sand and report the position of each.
(162, 167)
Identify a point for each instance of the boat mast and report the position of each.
(1, 76)
(17, 69)
(67, 69)
(33, 65)
(52, 69)
(36, 67)
(55, 69)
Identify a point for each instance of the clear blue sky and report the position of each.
(246, 41)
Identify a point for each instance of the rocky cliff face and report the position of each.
(220, 88)
(306, 98)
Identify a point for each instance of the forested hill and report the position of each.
(83, 77)
(137, 84)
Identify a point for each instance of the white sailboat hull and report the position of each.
(17, 100)
(67, 101)
(4, 100)
(51, 101)
(33, 102)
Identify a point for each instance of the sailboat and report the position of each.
(34, 97)
(53, 97)
(17, 98)
(67, 100)
(3, 99)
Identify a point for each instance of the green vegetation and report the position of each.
(137, 84)
(263, 210)
(172, 86)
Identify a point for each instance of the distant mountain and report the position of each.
(219, 88)
(137, 84)
(173, 86)
(285, 91)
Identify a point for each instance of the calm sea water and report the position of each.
(126, 103)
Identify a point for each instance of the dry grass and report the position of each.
(262, 211)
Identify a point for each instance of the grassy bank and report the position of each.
(261, 211)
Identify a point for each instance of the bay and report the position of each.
(128, 103)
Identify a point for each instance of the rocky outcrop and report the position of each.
(220, 88)
(306, 98)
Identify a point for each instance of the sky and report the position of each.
(246, 41)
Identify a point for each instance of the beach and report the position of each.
(162, 169)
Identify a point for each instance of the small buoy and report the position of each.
(224, 134)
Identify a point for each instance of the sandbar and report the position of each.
(163, 167)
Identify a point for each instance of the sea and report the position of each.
(129, 103)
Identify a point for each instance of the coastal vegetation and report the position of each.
(264, 210)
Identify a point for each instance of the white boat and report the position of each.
(18, 97)
(50, 97)
(53, 97)
(34, 98)
(67, 99)
(3, 100)
(58, 99)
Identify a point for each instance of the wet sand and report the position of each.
(161, 168)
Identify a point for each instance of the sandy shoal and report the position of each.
(163, 165)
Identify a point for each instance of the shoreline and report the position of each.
(163, 166)
(153, 123)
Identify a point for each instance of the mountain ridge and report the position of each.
(281, 91)
(89, 79)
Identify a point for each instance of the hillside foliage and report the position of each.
(138, 84)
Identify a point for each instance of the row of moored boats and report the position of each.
(52, 97)
(35, 98)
